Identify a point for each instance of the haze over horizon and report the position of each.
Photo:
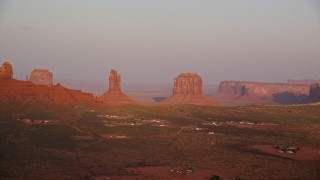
(153, 41)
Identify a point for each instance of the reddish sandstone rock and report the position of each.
(41, 77)
(114, 81)
(114, 96)
(263, 92)
(23, 90)
(6, 71)
(14, 89)
(188, 90)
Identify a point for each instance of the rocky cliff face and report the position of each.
(315, 91)
(263, 92)
(21, 90)
(41, 77)
(6, 71)
(114, 95)
(188, 83)
(114, 81)
(188, 90)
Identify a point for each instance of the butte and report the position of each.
(11, 89)
(114, 96)
(188, 90)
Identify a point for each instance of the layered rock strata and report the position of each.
(263, 92)
(188, 90)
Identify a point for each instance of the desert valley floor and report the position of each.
(96, 141)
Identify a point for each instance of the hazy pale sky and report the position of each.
(155, 40)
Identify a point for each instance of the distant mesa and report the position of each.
(6, 71)
(41, 77)
(315, 92)
(23, 90)
(303, 81)
(188, 90)
(114, 96)
(282, 93)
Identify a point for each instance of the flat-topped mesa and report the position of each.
(41, 77)
(114, 81)
(188, 90)
(263, 92)
(6, 71)
(303, 81)
(114, 95)
(188, 83)
(315, 92)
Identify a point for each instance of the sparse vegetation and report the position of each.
(61, 151)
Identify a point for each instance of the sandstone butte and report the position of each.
(41, 77)
(22, 90)
(263, 92)
(6, 71)
(114, 95)
(315, 92)
(188, 90)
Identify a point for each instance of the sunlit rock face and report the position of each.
(114, 81)
(41, 77)
(6, 71)
(23, 90)
(264, 92)
(114, 95)
(188, 90)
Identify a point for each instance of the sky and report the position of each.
(152, 41)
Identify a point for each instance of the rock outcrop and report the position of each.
(23, 90)
(282, 93)
(188, 90)
(114, 95)
(41, 77)
(315, 92)
(6, 71)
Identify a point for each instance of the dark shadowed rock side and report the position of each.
(315, 92)
(282, 93)
(41, 77)
(114, 96)
(188, 90)
(23, 90)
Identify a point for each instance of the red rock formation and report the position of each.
(6, 71)
(315, 91)
(263, 92)
(41, 77)
(22, 90)
(14, 89)
(188, 90)
(114, 96)
(114, 81)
